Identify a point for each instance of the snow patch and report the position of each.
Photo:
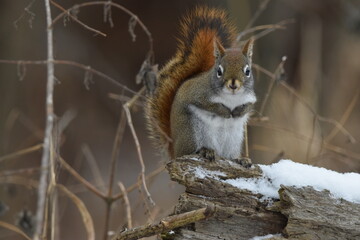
(265, 237)
(288, 173)
(202, 173)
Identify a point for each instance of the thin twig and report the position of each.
(114, 157)
(23, 171)
(14, 229)
(166, 224)
(246, 141)
(93, 166)
(28, 12)
(138, 148)
(87, 184)
(302, 137)
(311, 140)
(77, 20)
(120, 7)
(344, 117)
(70, 63)
(45, 160)
(306, 104)
(267, 31)
(127, 204)
(272, 27)
(136, 185)
(21, 152)
(260, 9)
(271, 85)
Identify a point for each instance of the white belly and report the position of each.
(225, 136)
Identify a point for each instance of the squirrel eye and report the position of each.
(247, 70)
(220, 71)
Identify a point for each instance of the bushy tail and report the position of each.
(195, 54)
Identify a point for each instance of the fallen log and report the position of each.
(246, 204)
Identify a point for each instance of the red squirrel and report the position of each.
(205, 92)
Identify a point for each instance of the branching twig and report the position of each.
(21, 152)
(344, 117)
(271, 85)
(265, 29)
(136, 185)
(28, 12)
(166, 224)
(95, 168)
(114, 157)
(77, 20)
(14, 229)
(260, 9)
(306, 104)
(120, 7)
(45, 160)
(81, 179)
(126, 107)
(70, 63)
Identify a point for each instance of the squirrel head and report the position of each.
(232, 69)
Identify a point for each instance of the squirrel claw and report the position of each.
(243, 161)
(208, 154)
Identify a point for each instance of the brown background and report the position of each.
(322, 48)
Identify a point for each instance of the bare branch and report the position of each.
(120, 7)
(71, 63)
(136, 185)
(260, 9)
(271, 85)
(28, 13)
(306, 104)
(14, 229)
(21, 152)
(45, 160)
(138, 148)
(166, 224)
(127, 205)
(81, 179)
(343, 119)
(77, 20)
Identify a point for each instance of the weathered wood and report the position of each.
(239, 214)
(316, 215)
(165, 224)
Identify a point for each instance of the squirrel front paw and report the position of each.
(241, 110)
(243, 161)
(206, 153)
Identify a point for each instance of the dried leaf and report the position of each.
(14, 229)
(148, 76)
(26, 221)
(21, 70)
(132, 24)
(88, 79)
(88, 222)
(108, 15)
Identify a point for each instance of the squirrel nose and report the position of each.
(233, 86)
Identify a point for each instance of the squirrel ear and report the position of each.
(218, 49)
(248, 49)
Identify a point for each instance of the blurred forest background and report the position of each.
(318, 124)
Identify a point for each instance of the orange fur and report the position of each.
(195, 54)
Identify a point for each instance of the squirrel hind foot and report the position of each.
(206, 153)
(243, 161)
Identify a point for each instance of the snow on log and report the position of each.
(285, 200)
